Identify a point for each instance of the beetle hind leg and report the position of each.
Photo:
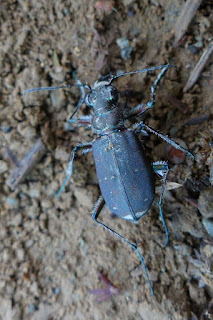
(161, 168)
(141, 126)
(95, 213)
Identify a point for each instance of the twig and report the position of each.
(193, 202)
(12, 157)
(196, 120)
(26, 164)
(186, 16)
(198, 68)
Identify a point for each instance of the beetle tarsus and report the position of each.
(161, 168)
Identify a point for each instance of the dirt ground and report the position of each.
(51, 251)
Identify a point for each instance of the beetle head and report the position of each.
(102, 96)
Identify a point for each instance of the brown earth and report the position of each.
(51, 250)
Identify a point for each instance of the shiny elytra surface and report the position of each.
(124, 173)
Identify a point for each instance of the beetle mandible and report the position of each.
(125, 174)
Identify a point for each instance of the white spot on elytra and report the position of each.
(128, 217)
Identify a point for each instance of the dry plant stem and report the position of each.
(27, 164)
(196, 120)
(186, 16)
(12, 157)
(198, 68)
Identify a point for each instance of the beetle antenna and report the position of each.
(56, 88)
(166, 66)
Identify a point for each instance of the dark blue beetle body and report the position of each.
(125, 174)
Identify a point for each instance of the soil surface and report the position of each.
(51, 251)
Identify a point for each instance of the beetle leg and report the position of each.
(85, 147)
(142, 126)
(82, 94)
(81, 88)
(83, 121)
(95, 213)
(161, 168)
(143, 107)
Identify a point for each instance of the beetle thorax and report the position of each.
(107, 120)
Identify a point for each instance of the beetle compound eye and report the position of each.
(113, 94)
(90, 98)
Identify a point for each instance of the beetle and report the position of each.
(124, 172)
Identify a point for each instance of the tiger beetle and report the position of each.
(124, 172)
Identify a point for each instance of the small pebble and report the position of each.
(84, 197)
(199, 43)
(210, 164)
(125, 47)
(3, 166)
(27, 132)
(58, 99)
(104, 6)
(31, 307)
(183, 249)
(61, 155)
(56, 290)
(193, 49)
(128, 2)
(176, 156)
(68, 126)
(208, 225)
(12, 203)
(20, 254)
(6, 129)
(205, 203)
(29, 243)
(45, 203)
(17, 219)
(34, 190)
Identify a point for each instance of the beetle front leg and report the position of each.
(84, 121)
(86, 148)
(95, 213)
(82, 94)
(161, 168)
(143, 107)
